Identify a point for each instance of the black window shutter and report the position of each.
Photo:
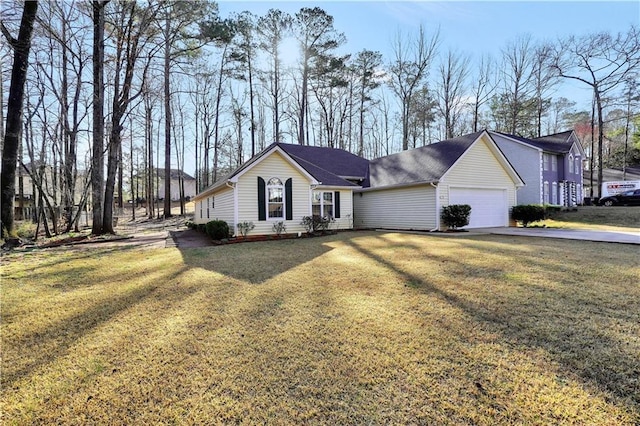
(336, 204)
(262, 201)
(288, 197)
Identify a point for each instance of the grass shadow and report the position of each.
(256, 262)
(546, 320)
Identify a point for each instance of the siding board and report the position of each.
(400, 208)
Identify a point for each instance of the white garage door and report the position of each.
(488, 206)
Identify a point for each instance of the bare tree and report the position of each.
(602, 61)
(485, 85)
(179, 37)
(11, 142)
(517, 75)
(543, 79)
(132, 31)
(97, 159)
(409, 68)
(452, 72)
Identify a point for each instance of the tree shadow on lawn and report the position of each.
(576, 345)
(46, 346)
(257, 262)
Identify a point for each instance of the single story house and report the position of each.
(286, 182)
(407, 190)
(551, 166)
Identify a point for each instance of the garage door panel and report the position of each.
(489, 206)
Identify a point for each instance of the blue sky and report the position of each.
(470, 27)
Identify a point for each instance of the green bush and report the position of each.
(528, 213)
(456, 215)
(218, 229)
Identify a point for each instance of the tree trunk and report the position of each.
(21, 47)
(97, 160)
(600, 137)
(167, 122)
(303, 100)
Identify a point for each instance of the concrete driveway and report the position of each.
(570, 234)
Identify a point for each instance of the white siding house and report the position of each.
(409, 189)
(283, 184)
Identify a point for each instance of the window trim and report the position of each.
(571, 163)
(545, 192)
(283, 203)
(322, 202)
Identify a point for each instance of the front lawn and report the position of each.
(616, 218)
(355, 328)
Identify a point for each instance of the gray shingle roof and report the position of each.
(426, 164)
(330, 166)
(337, 162)
(558, 143)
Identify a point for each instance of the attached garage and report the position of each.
(489, 207)
(408, 190)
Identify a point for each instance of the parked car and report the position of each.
(627, 198)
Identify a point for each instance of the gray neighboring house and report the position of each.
(550, 166)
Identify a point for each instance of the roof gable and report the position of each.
(332, 160)
(309, 161)
(426, 164)
(559, 143)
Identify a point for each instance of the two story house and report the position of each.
(551, 167)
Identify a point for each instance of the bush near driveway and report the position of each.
(358, 327)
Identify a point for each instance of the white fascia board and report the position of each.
(321, 186)
(499, 135)
(396, 186)
(211, 190)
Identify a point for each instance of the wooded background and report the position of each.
(116, 89)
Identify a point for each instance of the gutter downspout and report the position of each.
(437, 228)
(235, 203)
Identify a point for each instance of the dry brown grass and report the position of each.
(366, 327)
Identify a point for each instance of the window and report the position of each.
(322, 204)
(545, 161)
(275, 199)
(545, 193)
(570, 163)
(208, 203)
(554, 163)
(578, 167)
(554, 193)
(200, 209)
